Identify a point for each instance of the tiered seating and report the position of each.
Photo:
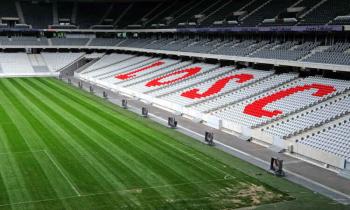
(334, 139)
(137, 43)
(243, 48)
(281, 105)
(341, 20)
(282, 53)
(168, 76)
(131, 75)
(316, 116)
(195, 9)
(94, 72)
(208, 89)
(330, 58)
(173, 14)
(282, 101)
(111, 71)
(108, 60)
(64, 10)
(156, 11)
(90, 14)
(243, 93)
(15, 64)
(38, 63)
(334, 55)
(70, 41)
(8, 9)
(327, 12)
(38, 14)
(225, 11)
(177, 44)
(26, 41)
(210, 75)
(270, 10)
(57, 61)
(137, 11)
(105, 42)
(202, 46)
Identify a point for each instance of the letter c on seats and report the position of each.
(256, 108)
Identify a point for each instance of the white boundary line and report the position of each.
(262, 161)
(62, 173)
(226, 178)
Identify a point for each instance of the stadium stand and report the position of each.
(326, 12)
(37, 14)
(15, 64)
(57, 61)
(283, 105)
(178, 13)
(70, 41)
(214, 59)
(90, 14)
(333, 138)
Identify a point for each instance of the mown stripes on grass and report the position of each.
(64, 149)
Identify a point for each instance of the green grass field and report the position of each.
(62, 148)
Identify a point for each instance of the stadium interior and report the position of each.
(269, 73)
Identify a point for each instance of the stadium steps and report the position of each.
(227, 92)
(189, 85)
(185, 80)
(259, 49)
(215, 11)
(95, 69)
(296, 3)
(20, 12)
(186, 11)
(148, 13)
(161, 13)
(74, 12)
(320, 128)
(49, 41)
(257, 9)
(87, 65)
(135, 64)
(159, 75)
(311, 109)
(54, 13)
(88, 42)
(243, 99)
(317, 49)
(247, 5)
(107, 13)
(331, 97)
(313, 8)
(111, 72)
(123, 14)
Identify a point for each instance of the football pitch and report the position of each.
(62, 148)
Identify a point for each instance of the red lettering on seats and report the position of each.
(217, 86)
(185, 73)
(256, 108)
(133, 73)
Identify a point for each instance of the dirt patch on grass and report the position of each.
(246, 195)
